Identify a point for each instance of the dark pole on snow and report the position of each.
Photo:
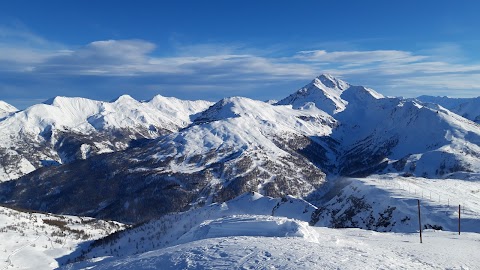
(459, 219)
(419, 221)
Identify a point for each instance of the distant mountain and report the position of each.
(376, 134)
(6, 109)
(325, 92)
(466, 107)
(66, 129)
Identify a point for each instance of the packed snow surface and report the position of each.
(324, 249)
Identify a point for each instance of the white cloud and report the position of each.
(18, 34)
(20, 49)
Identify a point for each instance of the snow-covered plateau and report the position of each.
(330, 177)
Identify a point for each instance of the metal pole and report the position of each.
(419, 221)
(459, 219)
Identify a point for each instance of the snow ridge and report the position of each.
(466, 107)
(6, 109)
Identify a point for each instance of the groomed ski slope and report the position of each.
(320, 248)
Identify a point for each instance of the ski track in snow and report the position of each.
(336, 249)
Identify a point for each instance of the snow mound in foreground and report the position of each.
(248, 225)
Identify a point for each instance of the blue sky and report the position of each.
(212, 49)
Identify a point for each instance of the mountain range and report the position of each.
(62, 129)
(135, 161)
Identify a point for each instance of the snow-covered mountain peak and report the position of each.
(70, 128)
(266, 116)
(4, 106)
(60, 112)
(330, 94)
(161, 100)
(75, 107)
(124, 99)
(179, 108)
(331, 82)
(324, 91)
(420, 138)
(6, 109)
(228, 108)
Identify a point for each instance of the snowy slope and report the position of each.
(41, 240)
(466, 107)
(66, 129)
(381, 203)
(394, 134)
(389, 203)
(6, 109)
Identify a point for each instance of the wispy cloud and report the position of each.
(30, 63)
(359, 57)
(135, 58)
(21, 49)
